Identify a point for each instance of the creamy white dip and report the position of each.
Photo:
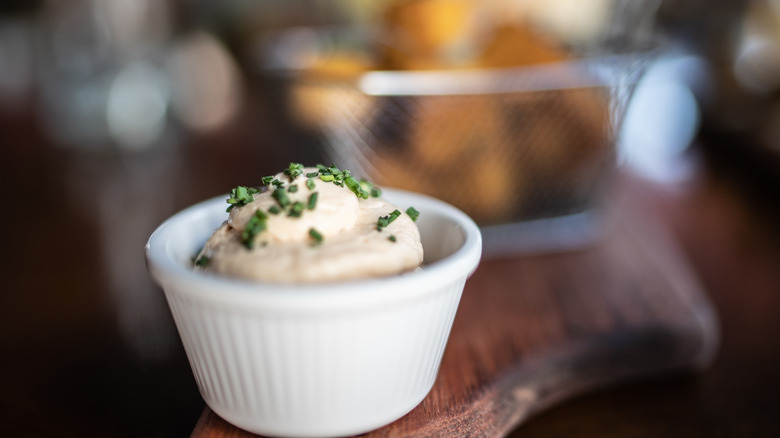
(285, 252)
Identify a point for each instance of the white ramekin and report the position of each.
(327, 360)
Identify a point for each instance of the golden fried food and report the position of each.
(517, 45)
(425, 34)
(455, 150)
(325, 93)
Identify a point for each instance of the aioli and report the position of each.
(351, 248)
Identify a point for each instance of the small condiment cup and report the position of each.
(315, 360)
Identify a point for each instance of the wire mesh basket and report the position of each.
(508, 110)
(519, 149)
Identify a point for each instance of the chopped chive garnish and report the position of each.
(194, 257)
(356, 188)
(374, 190)
(296, 209)
(384, 221)
(371, 189)
(241, 196)
(255, 226)
(315, 235)
(362, 189)
(391, 238)
(294, 170)
(313, 200)
(281, 197)
(202, 261)
(413, 213)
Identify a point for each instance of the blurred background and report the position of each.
(115, 114)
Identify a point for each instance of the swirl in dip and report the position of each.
(312, 225)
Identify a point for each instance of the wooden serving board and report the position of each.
(534, 330)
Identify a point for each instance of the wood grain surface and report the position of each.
(535, 330)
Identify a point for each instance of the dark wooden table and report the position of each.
(88, 347)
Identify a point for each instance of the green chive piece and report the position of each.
(391, 238)
(310, 184)
(316, 235)
(384, 221)
(194, 257)
(202, 261)
(373, 190)
(274, 209)
(413, 213)
(294, 170)
(255, 226)
(281, 197)
(296, 210)
(327, 177)
(312, 174)
(356, 188)
(293, 188)
(277, 183)
(241, 196)
(313, 200)
(267, 179)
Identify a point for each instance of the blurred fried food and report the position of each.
(425, 34)
(513, 45)
(317, 99)
(501, 157)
